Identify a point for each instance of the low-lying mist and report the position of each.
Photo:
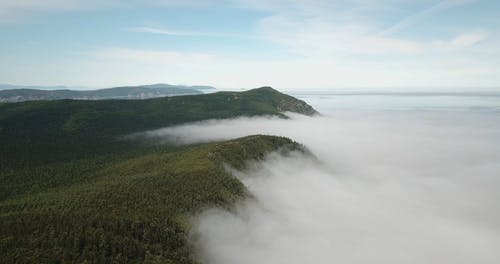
(389, 187)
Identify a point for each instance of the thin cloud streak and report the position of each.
(184, 33)
(416, 17)
(152, 56)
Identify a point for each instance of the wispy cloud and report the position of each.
(162, 31)
(17, 10)
(317, 37)
(35, 4)
(187, 33)
(418, 16)
(311, 43)
(463, 40)
(82, 4)
(469, 39)
(152, 56)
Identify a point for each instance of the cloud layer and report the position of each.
(389, 187)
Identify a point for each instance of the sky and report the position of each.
(240, 44)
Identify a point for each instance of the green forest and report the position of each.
(38, 132)
(73, 191)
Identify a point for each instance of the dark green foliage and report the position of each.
(37, 132)
(126, 209)
(72, 192)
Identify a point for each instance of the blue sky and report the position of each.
(288, 44)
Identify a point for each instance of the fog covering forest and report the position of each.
(382, 187)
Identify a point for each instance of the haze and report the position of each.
(384, 187)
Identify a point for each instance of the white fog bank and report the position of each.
(389, 187)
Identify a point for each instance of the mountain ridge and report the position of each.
(69, 128)
(131, 209)
(27, 93)
(73, 191)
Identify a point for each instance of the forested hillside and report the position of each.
(37, 132)
(121, 209)
(73, 191)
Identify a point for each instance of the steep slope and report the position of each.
(129, 209)
(281, 102)
(41, 131)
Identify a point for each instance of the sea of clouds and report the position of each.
(385, 187)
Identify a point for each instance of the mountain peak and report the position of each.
(283, 102)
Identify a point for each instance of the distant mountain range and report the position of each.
(5, 86)
(14, 93)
